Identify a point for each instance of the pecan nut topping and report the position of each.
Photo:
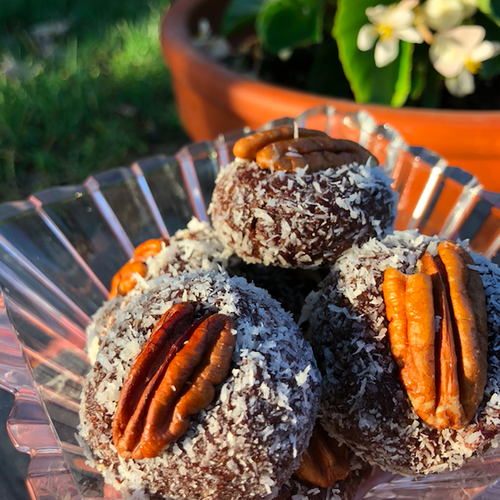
(278, 149)
(172, 378)
(438, 335)
(324, 462)
(148, 248)
(123, 281)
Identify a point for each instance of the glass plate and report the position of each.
(60, 248)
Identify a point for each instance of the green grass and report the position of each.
(100, 99)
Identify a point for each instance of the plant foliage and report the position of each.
(391, 52)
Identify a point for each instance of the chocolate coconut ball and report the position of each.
(250, 438)
(301, 217)
(365, 403)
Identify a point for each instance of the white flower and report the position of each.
(443, 15)
(388, 24)
(457, 54)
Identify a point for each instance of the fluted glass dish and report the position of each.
(60, 248)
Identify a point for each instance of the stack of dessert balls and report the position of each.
(296, 343)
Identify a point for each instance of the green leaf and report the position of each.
(388, 85)
(402, 86)
(433, 89)
(491, 8)
(421, 66)
(240, 15)
(286, 24)
(490, 68)
(326, 75)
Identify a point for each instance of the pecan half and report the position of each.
(469, 309)
(248, 147)
(324, 462)
(438, 335)
(149, 248)
(123, 281)
(277, 149)
(172, 378)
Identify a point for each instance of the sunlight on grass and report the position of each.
(84, 98)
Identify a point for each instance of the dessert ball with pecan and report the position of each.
(195, 248)
(203, 388)
(300, 202)
(405, 331)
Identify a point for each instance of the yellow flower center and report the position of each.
(472, 66)
(384, 31)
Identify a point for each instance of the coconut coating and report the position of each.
(364, 403)
(248, 442)
(300, 219)
(195, 248)
(189, 250)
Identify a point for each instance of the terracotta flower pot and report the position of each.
(212, 99)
